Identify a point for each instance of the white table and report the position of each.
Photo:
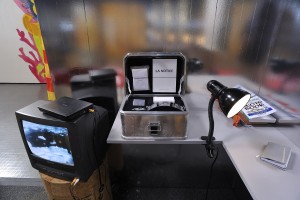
(242, 144)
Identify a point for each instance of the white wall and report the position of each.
(12, 68)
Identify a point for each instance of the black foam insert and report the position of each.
(149, 101)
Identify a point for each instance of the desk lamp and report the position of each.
(231, 101)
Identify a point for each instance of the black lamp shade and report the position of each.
(232, 100)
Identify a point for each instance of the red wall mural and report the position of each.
(37, 58)
(33, 39)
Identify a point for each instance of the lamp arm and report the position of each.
(209, 144)
(211, 120)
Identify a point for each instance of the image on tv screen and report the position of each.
(48, 142)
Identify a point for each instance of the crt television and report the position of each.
(62, 149)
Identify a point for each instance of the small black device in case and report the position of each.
(66, 108)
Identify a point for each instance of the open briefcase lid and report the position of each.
(155, 73)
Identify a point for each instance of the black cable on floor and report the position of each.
(96, 120)
(72, 186)
(210, 172)
(102, 186)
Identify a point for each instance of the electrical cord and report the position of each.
(106, 169)
(72, 186)
(210, 172)
(101, 185)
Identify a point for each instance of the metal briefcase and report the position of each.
(154, 107)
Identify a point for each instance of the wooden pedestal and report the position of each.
(60, 189)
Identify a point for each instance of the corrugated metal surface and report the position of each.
(240, 37)
(15, 167)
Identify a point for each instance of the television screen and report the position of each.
(48, 142)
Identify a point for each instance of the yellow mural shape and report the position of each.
(33, 28)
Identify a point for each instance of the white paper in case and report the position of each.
(140, 78)
(164, 75)
(163, 99)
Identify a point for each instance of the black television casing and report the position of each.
(82, 140)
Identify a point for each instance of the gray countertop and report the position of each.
(242, 144)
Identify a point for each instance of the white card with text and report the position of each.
(164, 73)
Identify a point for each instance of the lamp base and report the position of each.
(210, 149)
(209, 146)
(205, 138)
